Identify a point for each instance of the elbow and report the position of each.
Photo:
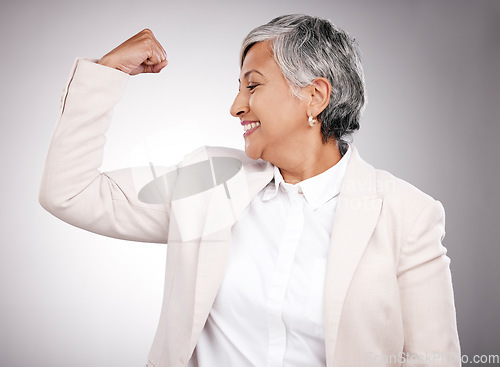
(50, 201)
(58, 205)
(46, 200)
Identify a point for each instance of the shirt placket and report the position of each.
(279, 281)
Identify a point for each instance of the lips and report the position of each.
(249, 127)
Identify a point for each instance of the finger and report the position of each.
(160, 48)
(160, 53)
(148, 69)
(138, 70)
(159, 67)
(156, 68)
(155, 57)
(155, 51)
(163, 53)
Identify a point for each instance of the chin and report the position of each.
(252, 153)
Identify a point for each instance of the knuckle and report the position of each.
(148, 42)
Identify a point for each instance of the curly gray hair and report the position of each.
(306, 48)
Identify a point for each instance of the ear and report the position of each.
(318, 94)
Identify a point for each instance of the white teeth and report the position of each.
(252, 125)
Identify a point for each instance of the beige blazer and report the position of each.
(388, 297)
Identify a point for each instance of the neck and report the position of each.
(300, 166)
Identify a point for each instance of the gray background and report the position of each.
(71, 298)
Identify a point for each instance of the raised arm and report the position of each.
(73, 189)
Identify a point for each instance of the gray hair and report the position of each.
(306, 48)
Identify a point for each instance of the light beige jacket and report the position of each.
(388, 297)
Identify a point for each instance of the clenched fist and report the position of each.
(140, 54)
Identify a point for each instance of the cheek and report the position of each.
(281, 114)
(262, 110)
(274, 110)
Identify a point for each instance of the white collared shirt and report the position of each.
(269, 308)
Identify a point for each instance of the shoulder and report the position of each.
(390, 187)
(400, 199)
(386, 185)
(405, 201)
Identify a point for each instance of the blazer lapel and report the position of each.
(227, 202)
(355, 219)
(357, 214)
(206, 202)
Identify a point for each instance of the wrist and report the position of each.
(105, 61)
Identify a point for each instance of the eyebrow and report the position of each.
(250, 72)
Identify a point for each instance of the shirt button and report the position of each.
(300, 190)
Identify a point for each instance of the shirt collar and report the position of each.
(317, 190)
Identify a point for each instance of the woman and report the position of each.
(297, 254)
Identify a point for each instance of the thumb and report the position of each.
(147, 68)
(159, 67)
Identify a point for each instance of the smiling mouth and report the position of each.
(249, 127)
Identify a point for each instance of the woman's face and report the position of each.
(265, 100)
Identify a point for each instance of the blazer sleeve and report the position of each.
(428, 309)
(72, 188)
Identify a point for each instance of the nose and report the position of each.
(240, 105)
